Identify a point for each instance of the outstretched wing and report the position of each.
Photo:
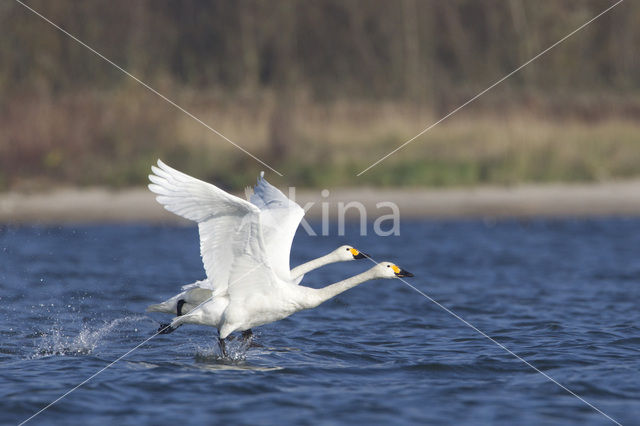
(220, 217)
(252, 276)
(251, 281)
(279, 220)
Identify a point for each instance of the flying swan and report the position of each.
(245, 248)
(264, 196)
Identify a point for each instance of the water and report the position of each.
(561, 293)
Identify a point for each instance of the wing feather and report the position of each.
(236, 236)
(279, 219)
(219, 215)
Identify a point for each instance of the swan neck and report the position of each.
(309, 266)
(330, 291)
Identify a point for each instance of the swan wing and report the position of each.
(252, 273)
(279, 220)
(266, 196)
(197, 284)
(220, 216)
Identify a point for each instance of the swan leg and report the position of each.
(223, 347)
(181, 303)
(247, 337)
(166, 328)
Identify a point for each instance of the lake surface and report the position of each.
(563, 294)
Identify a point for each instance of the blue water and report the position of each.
(561, 293)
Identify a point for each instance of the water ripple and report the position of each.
(561, 293)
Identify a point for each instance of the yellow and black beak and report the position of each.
(358, 254)
(401, 273)
(404, 273)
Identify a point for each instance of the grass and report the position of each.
(111, 139)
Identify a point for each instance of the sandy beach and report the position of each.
(96, 205)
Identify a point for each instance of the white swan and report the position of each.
(222, 218)
(245, 249)
(198, 292)
(209, 206)
(256, 296)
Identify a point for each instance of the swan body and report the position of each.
(257, 303)
(194, 294)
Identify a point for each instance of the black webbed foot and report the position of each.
(166, 329)
(247, 338)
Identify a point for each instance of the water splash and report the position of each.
(85, 342)
(236, 351)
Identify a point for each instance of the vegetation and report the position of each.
(320, 90)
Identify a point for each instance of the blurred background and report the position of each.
(320, 90)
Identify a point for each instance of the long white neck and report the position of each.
(300, 270)
(318, 296)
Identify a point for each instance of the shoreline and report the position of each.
(101, 205)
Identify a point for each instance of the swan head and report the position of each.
(345, 253)
(390, 270)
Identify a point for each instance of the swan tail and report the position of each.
(163, 307)
(182, 303)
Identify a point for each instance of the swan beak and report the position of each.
(358, 254)
(402, 273)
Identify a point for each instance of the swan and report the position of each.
(245, 248)
(194, 294)
(281, 215)
(256, 296)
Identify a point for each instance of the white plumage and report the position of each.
(245, 249)
(196, 293)
(197, 200)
